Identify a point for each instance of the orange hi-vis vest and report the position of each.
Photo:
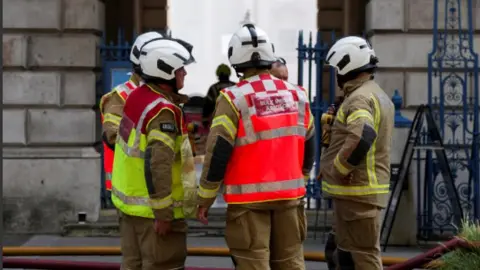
(123, 90)
(266, 162)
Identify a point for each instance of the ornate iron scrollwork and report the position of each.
(452, 63)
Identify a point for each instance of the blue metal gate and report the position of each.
(453, 65)
(314, 55)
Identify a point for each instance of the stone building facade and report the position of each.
(51, 66)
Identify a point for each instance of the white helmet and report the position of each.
(139, 42)
(351, 54)
(161, 58)
(151, 43)
(250, 47)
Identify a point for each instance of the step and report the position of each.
(107, 226)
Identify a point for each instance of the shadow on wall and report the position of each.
(26, 215)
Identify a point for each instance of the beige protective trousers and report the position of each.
(144, 249)
(357, 235)
(266, 239)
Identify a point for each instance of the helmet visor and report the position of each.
(189, 60)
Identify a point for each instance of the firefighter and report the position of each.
(154, 179)
(223, 74)
(111, 106)
(279, 69)
(261, 147)
(355, 167)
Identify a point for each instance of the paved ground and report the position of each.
(46, 240)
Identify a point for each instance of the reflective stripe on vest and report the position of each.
(108, 181)
(264, 187)
(125, 89)
(286, 101)
(355, 190)
(152, 203)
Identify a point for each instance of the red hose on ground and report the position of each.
(72, 265)
(423, 259)
(55, 264)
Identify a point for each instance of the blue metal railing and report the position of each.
(313, 55)
(453, 65)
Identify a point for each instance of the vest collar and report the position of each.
(170, 96)
(252, 72)
(135, 78)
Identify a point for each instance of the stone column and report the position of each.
(50, 169)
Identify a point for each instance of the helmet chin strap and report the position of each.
(239, 75)
(172, 84)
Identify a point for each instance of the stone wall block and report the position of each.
(13, 124)
(55, 126)
(64, 51)
(31, 14)
(391, 80)
(420, 14)
(79, 88)
(417, 88)
(14, 50)
(52, 191)
(402, 50)
(385, 15)
(31, 88)
(84, 14)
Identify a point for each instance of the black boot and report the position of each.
(330, 248)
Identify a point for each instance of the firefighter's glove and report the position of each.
(327, 119)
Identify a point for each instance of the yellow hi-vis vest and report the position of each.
(129, 190)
